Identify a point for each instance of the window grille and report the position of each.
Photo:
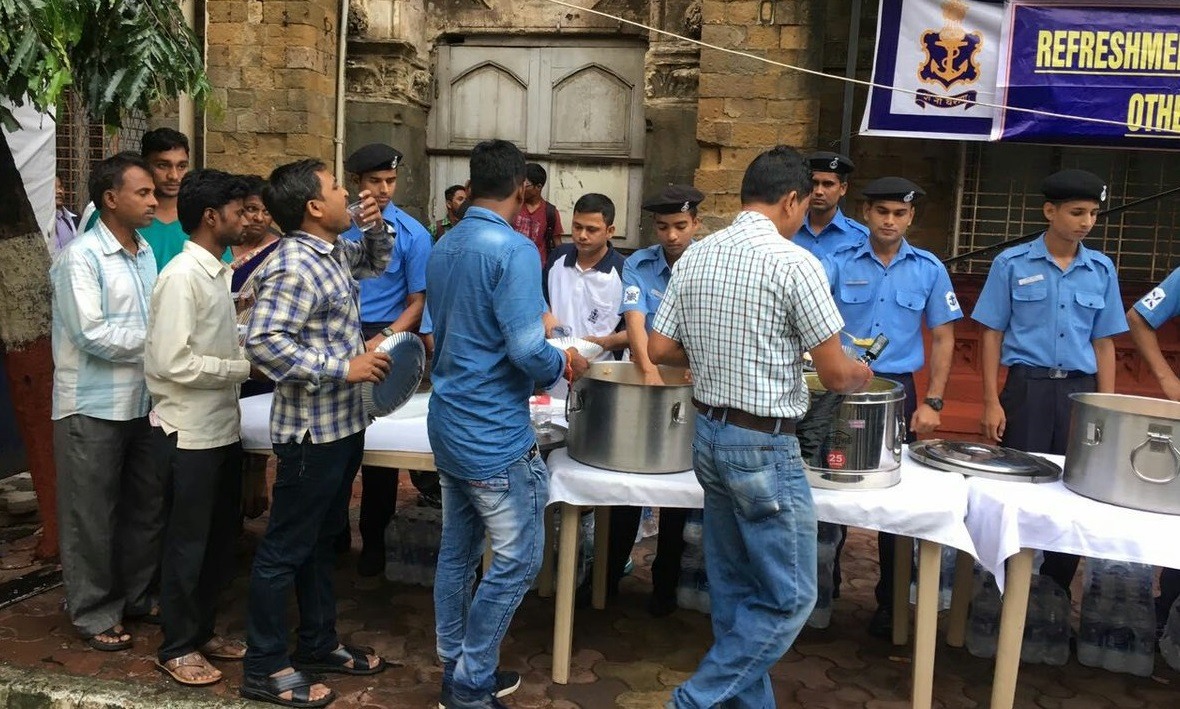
(1001, 200)
(81, 142)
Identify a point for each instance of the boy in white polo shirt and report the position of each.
(583, 280)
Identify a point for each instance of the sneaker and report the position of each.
(488, 702)
(507, 682)
(881, 626)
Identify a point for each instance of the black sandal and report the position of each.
(268, 689)
(107, 645)
(336, 661)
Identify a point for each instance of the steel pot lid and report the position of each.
(408, 363)
(984, 460)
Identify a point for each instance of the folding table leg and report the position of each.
(903, 559)
(545, 577)
(563, 613)
(601, 552)
(1012, 617)
(926, 623)
(956, 627)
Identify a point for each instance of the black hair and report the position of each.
(108, 174)
(254, 185)
(594, 203)
(449, 194)
(497, 170)
(774, 174)
(535, 174)
(162, 140)
(206, 189)
(289, 189)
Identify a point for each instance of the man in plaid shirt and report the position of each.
(741, 308)
(304, 334)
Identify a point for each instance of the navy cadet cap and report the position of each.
(1073, 184)
(372, 157)
(893, 189)
(825, 161)
(673, 199)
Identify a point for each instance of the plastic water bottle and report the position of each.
(946, 577)
(1139, 619)
(1032, 646)
(692, 566)
(432, 540)
(649, 526)
(1096, 614)
(827, 538)
(587, 545)
(1170, 642)
(983, 627)
(1056, 610)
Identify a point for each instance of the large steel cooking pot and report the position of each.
(619, 423)
(861, 447)
(1123, 450)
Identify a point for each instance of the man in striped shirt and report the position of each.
(110, 488)
(741, 308)
(304, 334)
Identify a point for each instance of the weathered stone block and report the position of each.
(745, 108)
(750, 134)
(302, 58)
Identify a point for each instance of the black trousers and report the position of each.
(203, 500)
(886, 554)
(1037, 411)
(665, 568)
(379, 488)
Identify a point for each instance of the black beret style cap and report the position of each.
(896, 189)
(825, 161)
(374, 156)
(1073, 184)
(673, 199)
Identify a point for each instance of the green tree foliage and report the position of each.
(116, 55)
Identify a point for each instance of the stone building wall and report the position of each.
(746, 105)
(391, 90)
(273, 69)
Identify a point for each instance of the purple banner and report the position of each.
(1115, 62)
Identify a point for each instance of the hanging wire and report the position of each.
(1174, 132)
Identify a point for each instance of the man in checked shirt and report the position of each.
(305, 335)
(741, 308)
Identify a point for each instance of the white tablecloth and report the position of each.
(1004, 517)
(927, 504)
(403, 430)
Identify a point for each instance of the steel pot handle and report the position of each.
(899, 439)
(1156, 435)
(570, 406)
(677, 416)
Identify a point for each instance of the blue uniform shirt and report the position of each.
(383, 299)
(1162, 303)
(840, 233)
(1050, 318)
(490, 350)
(894, 299)
(645, 278)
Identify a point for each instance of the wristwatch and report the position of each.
(933, 402)
(389, 333)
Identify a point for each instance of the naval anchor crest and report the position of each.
(951, 57)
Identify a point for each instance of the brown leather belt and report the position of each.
(737, 417)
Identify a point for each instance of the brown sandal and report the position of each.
(173, 668)
(219, 648)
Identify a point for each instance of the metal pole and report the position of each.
(850, 72)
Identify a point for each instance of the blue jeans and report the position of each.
(760, 559)
(313, 484)
(508, 507)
